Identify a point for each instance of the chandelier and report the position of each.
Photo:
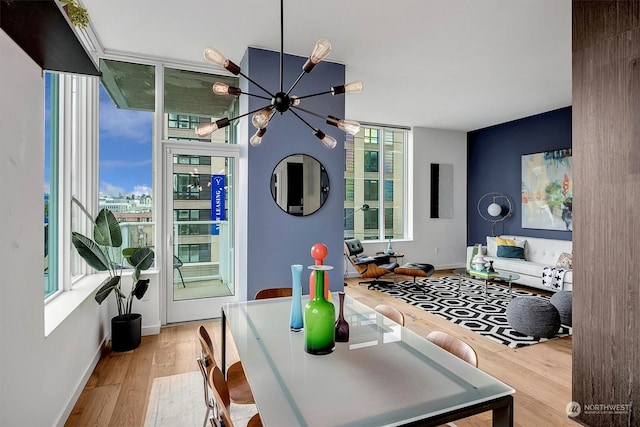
(281, 101)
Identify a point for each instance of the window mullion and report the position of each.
(381, 203)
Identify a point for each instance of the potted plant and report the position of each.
(78, 15)
(100, 253)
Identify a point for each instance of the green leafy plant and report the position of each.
(78, 15)
(100, 253)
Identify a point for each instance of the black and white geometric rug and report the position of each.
(470, 309)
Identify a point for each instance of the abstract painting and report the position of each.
(547, 190)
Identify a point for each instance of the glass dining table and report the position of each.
(386, 375)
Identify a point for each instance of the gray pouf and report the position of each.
(562, 300)
(533, 316)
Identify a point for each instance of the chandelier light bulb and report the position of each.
(328, 141)
(320, 51)
(220, 88)
(349, 126)
(261, 119)
(295, 101)
(351, 87)
(213, 55)
(256, 139)
(225, 89)
(206, 129)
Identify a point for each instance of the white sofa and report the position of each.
(538, 253)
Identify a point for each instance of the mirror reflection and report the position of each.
(441, 190)
(299, 184)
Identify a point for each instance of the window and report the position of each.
(181, 121)
(70, 121)
(51, 222)
(194, 252)
(379, 185)
(370, 161)
(370, 189)
(183, 92)
(126, 148)
(184, 216)
(348, 190)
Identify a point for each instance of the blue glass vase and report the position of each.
(295, 321)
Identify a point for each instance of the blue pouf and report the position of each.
(563, 300)
(533, 316)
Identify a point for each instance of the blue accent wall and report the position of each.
(276, 239)
(494, 165)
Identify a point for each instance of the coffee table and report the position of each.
(504, 278)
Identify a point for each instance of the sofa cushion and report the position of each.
(565, 260)
(506, 251)
(505, 242)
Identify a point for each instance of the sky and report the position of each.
(125, 148)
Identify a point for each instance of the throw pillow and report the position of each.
(505, 242)
(505, 251)
(492, 246)
(565, 260)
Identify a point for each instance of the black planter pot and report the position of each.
(126, 332)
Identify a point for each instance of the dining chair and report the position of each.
(208, 400)
(273, 293)
(223, 414)
(239, 389)
(390, 312)
(455, 346)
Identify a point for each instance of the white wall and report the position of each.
(38, 375)
(441, 242)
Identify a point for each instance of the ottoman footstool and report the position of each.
(415, 269)
(533, 316)
(562, 300)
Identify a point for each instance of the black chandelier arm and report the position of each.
(326, 92)
(257, 96)
(309, 112)
(296, 82)
(304, 121)
(255, 83)
(246, 114)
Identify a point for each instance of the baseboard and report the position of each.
(66, 412)
(151, 330)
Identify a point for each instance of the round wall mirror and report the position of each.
(299, 185)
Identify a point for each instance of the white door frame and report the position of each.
(194, 309)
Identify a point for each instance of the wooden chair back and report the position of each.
(220, 390)
(390, 312)
(206, 346)
(455, 346)
(273, 293)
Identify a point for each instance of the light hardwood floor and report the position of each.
(118, 390)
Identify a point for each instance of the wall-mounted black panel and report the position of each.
(42, 31)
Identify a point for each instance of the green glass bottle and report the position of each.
(319, 319)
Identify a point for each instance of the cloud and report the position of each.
(139, 190)
(115, 164)
(134, 126)
(112, 190)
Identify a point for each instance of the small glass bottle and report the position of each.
(389, 248)
(342, 326)
(319, 318)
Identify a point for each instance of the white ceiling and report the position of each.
(448, 64)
